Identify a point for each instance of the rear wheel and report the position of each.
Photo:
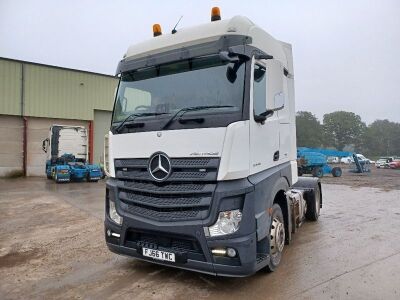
(89, 179)
(317, 172)
(313, 205)
(277, 238)
(336, 172)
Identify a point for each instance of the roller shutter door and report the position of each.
(11, 145)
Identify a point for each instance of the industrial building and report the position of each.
(35, 96)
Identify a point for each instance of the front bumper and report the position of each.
(187, 239)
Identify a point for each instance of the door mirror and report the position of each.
(231, 74)
(279, 101)
(45, 145)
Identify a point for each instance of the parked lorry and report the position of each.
(201, 154)
(67, 152)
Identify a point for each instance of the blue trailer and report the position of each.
(67, 155)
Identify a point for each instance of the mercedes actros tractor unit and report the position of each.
(201, 153)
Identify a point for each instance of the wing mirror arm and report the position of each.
(225, 56)
(279, 103)
(261, 118)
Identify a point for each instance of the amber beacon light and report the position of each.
(156, 30)
(215, 14)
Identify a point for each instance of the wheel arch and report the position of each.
(279, 197)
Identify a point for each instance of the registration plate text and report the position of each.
(158, 254)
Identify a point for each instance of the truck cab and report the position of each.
(201, 153)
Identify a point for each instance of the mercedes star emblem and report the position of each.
(159, 166)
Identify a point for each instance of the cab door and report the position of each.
(266, 82)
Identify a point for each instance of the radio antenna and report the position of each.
(174, 30)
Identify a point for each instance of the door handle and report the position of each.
(276, 155)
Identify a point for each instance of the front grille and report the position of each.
(185, 195)
(183, 169)
(162, 214)
(178, 245)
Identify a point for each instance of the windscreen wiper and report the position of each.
(191, 108)
(133, 116)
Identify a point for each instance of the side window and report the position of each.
(259, 90)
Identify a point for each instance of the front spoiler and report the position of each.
(205, 267)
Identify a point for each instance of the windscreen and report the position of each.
(168, 88)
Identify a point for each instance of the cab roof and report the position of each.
(212, 31)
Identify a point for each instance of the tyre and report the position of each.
(313, 204)
(277, 238)
(89, 179)
(317, 172)
(336, 172)
(49, 176)
(299, 172)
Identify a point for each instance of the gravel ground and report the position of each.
(52, 246)
(385, 179)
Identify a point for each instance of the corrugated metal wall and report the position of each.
(50, 95)
(102, 121)
(10, 87)
(56, 93)
(53, 92)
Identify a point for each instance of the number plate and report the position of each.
(158, 254)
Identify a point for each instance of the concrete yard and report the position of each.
(52, 246)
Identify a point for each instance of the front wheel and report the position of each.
(276, 238)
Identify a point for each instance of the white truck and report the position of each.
(67, 155)
(201, 154)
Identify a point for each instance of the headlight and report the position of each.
(113, 213)
(228, 222)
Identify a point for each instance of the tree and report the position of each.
(382, 138)
(343, 128)
(308, 130)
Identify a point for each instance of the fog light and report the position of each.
(108, 232)
(218, 251)
(231, 252)
(228, 222)
(113, 213)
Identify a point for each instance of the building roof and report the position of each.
(52, 66)
(39, 90)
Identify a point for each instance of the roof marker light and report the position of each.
(156, 30)
(215, 14)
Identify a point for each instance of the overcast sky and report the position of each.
(346, 53)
